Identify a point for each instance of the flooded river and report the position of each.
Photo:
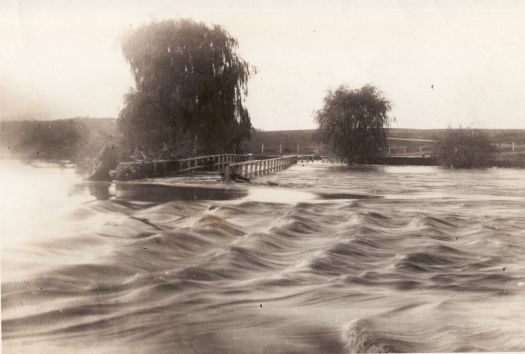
(317, 258)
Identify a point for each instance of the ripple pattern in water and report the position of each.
(434, 262)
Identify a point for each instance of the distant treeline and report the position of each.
(75, 139)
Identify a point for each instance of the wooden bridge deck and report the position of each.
(228, 165)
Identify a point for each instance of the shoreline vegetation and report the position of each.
(80, 140)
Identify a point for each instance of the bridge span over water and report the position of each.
(229, 166)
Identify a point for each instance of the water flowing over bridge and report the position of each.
(230, 166)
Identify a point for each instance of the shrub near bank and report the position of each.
(465, 148)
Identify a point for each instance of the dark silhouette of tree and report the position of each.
(465, 148)
(352, 123)
(190, 89)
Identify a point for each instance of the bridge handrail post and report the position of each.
(227, 173)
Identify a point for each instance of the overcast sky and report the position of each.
(441, 63)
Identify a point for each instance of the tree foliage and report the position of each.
(77, 139)
(352, 123)
(190, 88)
(465, 148)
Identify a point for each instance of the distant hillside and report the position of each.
(63, 139)
(497, 136)
(401, 141)
(289, 140)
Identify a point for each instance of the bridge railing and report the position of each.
(254, 168)
(159, 168)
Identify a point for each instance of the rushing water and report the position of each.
(333, 259)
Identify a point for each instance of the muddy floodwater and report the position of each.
(317, 258)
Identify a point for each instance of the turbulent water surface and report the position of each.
(332, 259)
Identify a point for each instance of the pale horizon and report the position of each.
(441, 63)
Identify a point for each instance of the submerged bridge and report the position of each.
(227, 165)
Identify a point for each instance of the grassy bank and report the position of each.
(406, 145)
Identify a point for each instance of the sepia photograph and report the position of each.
(262, 176)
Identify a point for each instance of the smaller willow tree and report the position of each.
(352, 123)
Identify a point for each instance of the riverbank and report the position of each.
(167, 168)
(504, 161)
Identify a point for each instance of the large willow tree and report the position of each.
(352, 123)
(189, 91)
